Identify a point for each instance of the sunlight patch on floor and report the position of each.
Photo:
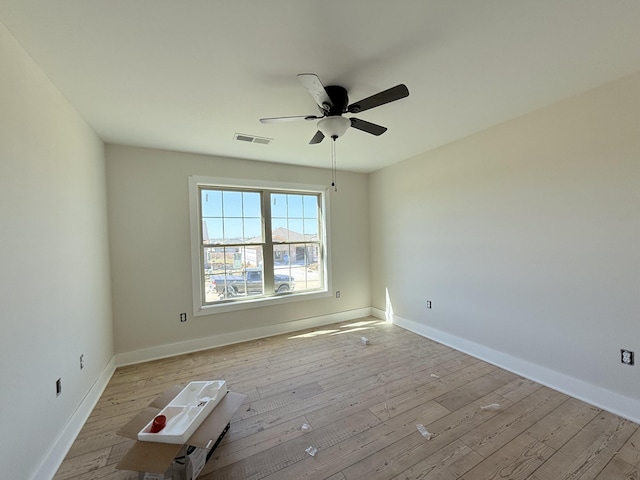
(315, 333)
(346, 328)
(360, 324)
(351, 330)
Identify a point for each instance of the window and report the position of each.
(256, 243)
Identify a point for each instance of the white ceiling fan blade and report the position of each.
(288, 119)
(314, 86)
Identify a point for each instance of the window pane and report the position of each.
(310, 206)
(211, 201)
(281, 255)
(294, 206)
(295, 230)
(251, 205)
(252, 230)
(278, 205)
(311, 229)
(280, 232)
(300, 263)
(233, 230)
(232, 204)
(283, 281)
(212, 230)
(232, 273)
(252, 256)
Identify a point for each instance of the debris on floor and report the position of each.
(423, 431)
(433, 375)
(305, 427)
(492, 406)
(365, 340)
(311, 451)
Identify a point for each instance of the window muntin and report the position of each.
(239, 262)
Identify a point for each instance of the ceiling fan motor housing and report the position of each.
(338, 96)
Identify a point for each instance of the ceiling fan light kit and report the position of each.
(333, 102)
(333, 127)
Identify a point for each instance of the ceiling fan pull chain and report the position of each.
(333, 163)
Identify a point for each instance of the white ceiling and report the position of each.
(188, 75)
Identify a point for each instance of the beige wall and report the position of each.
(150, 250)
(526, 239)
(54, 274)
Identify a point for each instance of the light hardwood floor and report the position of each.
(363, 403)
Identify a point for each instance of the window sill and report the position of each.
(259, 302)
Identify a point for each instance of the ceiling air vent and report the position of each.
(242, 137)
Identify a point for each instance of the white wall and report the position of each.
(54, 274)
(526, 238)
(148, 199)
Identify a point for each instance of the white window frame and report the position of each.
(199, 307)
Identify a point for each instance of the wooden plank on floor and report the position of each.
(619, 469)
(340, 456)
(231, 452)
(516, 460)
(448, 463)
(630, 451)
(562, 424)
(589, 451)
(512, 421)
(87, 462)
(293, 451)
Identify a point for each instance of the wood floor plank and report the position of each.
(384, 463)
(337, 476)
(512, 421)
(293, 451)
(340, 456)
(618, 469)
(516, 460)
(362, 403)
(391, 459)
(475, 389)
(588, 452)
(91, 443)
(429, 389)
(231, 452)
(85, 462)
(630, 452)
(407, 456)
(559, 426)
(448, 463)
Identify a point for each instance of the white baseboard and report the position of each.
(55, 455)
(179, 348)
(615, 403)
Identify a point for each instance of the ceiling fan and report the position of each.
(333, 102)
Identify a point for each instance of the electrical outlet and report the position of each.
(183, 317)
(58, 387)
(337, 293)
(428, 303)
(81, 361)
(626, 357)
